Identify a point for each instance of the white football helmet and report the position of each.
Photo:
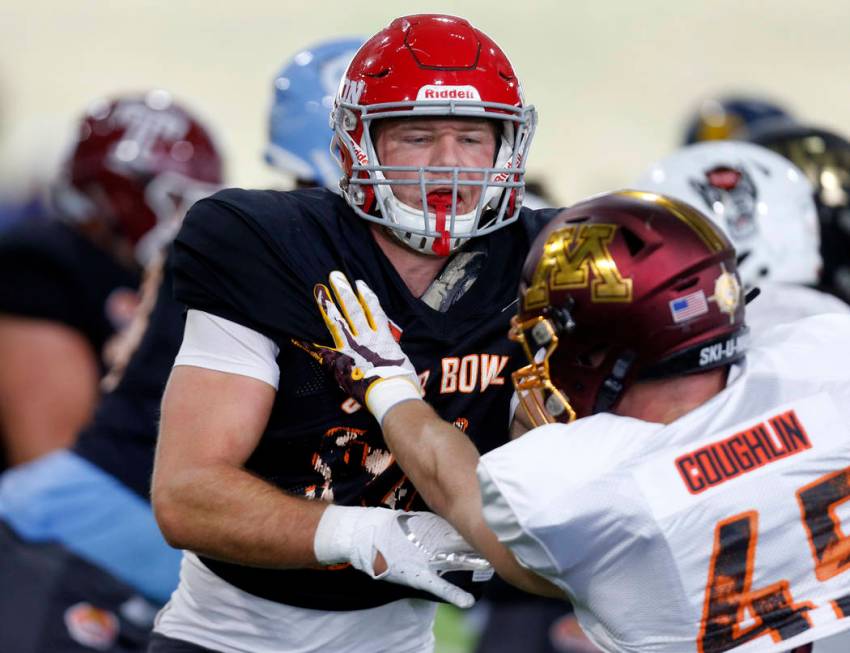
(762, 201)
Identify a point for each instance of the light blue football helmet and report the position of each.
(299, 131)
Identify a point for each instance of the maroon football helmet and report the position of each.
(432, 65)
(138, 160)
(621, 287)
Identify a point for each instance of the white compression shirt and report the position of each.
(211, 342)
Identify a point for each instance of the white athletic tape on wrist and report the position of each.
(334, 540)
(386, 393)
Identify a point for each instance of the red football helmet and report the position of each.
(621, 287)
(138, 161)
(432, 65)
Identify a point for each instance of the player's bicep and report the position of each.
(220, 393)
(211, 417)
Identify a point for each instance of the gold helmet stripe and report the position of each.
(690, 216)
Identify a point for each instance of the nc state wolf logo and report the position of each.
(731, 193)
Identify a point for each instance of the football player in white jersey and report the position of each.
(684, 496)
(765, 205)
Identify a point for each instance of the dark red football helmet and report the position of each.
(432, 65)
(624, 286)
(137, 160)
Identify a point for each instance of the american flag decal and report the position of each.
(689, 306)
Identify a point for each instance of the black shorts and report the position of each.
(53, 601)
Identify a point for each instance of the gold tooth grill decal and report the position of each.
(701, 226)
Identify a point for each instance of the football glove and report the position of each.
(366, 360)
(418, 548)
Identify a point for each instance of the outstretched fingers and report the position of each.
(335, 322)
(349, 304)
(448, 592)
(372, 307)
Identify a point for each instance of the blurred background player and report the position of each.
(59, 499)
(68, 283)
(824, 157)
(733, 116)
(298, 129)
(764, 204)
(84, 563)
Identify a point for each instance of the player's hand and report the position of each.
(366, 360)
(417, 547)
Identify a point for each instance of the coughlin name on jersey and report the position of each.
(721, 531)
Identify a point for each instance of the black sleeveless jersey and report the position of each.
(50, 271)
(253, 257)
(122, 436)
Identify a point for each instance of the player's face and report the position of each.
(464, 142)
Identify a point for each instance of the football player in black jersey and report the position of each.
(84, 565)
(279, 486)
(68, 284)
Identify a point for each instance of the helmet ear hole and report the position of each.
(633, 242)
(687, 283)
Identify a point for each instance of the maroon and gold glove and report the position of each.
(366, 360)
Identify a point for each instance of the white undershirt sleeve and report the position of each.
(211, 342)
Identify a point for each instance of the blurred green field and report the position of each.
(453, 633)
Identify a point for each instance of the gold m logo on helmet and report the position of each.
(574, 255)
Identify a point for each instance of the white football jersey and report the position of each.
(719, 532)
(779, 303)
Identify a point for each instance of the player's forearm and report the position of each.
(438, 458)
(441, 461)
(226, 513)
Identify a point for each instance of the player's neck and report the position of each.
(665, 400)
(416, 269)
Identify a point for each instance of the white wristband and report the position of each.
(334, 538)
(386, 393)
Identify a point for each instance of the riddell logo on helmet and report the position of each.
(432, 92)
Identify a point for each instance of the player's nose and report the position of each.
(446, 151)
